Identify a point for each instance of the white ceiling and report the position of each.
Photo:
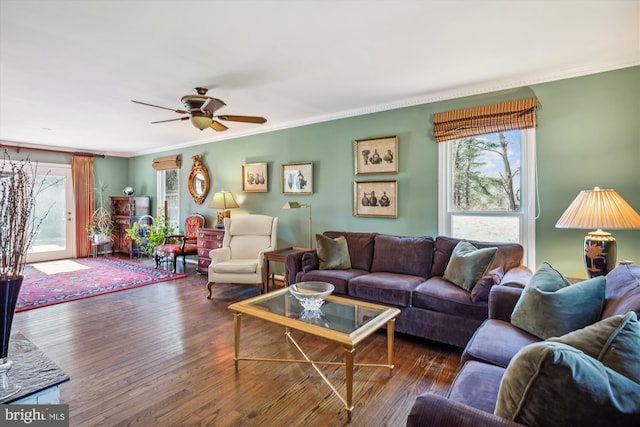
(69, 69)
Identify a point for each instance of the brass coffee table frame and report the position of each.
(387, 315)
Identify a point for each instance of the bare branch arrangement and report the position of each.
(19, 190)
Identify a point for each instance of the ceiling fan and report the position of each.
(201, 110)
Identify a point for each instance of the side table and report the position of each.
(279, 255)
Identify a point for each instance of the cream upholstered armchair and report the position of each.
(240, 259)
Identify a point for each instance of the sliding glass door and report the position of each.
(55, 238)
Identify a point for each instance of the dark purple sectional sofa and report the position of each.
(406, 272)
(472, 397)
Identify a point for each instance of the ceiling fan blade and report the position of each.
(245, 119)
(212, 105)
(164, 108)
(171, 120)
(218, 127)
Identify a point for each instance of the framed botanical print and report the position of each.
(254, 178)
(376, 155)
(375, 199)
(297, 178)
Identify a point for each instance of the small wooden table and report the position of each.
(279, 255)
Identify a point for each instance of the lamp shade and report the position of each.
(292, 205)
(223, 200)
(599, 209)
(201, 120)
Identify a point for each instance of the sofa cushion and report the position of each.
(384, 288)
(403, 255)
(509, 255)
(496, 342)
(333, 254)
(477, 385)
(623, 290)
(614, 341)
(468, 264)
(553, 384)
(438, 294)
(310, 262)
(550, 307)
(360, 247)
(482, 288)
(338, 278)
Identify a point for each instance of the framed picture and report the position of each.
(375, 199)
(376, 155)
(297, 178)
(254, 178)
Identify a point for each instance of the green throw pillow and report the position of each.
(552, 384)
(333, 254)
(550, 307)
(614, 341)
(468, 264)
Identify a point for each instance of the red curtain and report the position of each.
(83, 191)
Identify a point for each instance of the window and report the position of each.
(487, 188)
(169, 196)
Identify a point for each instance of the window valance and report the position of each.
(166, 163)
(456, 124)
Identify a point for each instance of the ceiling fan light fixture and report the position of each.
(201, 120)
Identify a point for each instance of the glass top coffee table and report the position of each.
(341, 320)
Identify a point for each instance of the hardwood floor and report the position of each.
(162, 355)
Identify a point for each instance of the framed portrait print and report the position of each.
(376, 155)
(297, 178)
(375, 199)
(254, 178)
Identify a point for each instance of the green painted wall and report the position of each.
(588, 134)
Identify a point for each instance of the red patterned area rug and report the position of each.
(68, 280)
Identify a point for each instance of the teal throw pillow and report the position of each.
(614, 341)
(468, 264)
(552, 384)
(550, 307)
(333, 254)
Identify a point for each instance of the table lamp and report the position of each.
(223, 201)
(296, 205)
(598, 209)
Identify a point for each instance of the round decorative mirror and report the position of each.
(198, 180)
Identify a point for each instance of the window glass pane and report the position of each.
(486, 173)
(172, 196)
(487, 228)
(51, 235)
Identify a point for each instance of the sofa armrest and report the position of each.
(517, 277)
(434, 410)
(502, 300)
(293, 264)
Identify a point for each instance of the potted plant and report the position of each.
(19, 188)
(100, 226)
(149, 236)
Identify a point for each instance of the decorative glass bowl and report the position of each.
(311, 294)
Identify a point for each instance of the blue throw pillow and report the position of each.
(549, 306)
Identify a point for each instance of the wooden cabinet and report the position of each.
(125, 211)
(208, 238)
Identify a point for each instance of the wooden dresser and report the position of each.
(208, 238)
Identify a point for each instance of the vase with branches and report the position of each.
(20, 186)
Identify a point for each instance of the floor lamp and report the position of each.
(296, 205)
(598, 209)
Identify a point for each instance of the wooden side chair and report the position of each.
(181, 245)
